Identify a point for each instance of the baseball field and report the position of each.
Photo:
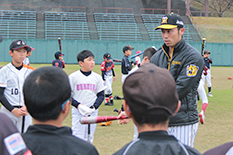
(216, 130)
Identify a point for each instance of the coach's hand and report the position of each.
(123, 121)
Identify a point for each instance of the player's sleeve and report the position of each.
(112, 64)
(103, 73)
(99, 99)
(187, 78)
(63, 64)
(113, 73)
(4, 101)
(102, 66)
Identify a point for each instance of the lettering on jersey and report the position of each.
(86, 86)
(176, 62)
(191, 70)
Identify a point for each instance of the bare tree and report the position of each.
(218, 6)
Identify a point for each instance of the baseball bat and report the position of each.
(99, 119)
(203, 45)
(59, 43)
(135, 55)
(116, 60)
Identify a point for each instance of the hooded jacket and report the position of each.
(186, 65)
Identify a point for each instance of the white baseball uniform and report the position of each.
(138, 60)
(84, 89)
(26, 61)
(12, 80)
(185, 134)
(201, 89)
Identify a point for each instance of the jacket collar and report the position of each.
(177, 47)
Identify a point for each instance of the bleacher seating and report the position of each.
(18, 24)
(117, 26)
(66, 25)
(153, 20)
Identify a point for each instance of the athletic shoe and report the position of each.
(202, 117)
(108, 103)
(209, 94)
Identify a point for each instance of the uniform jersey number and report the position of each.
(14, 91)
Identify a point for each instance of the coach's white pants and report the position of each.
(201, 90)
(18, 120)
(208, 78)
(108, 84)
(81, 130)
(185, 134)
(124, 76)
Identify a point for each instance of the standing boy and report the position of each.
(88, 94)
(107, 72)
(126, 66)
(150, 109)
(208, 62)
(137, 58)
(59, 60)
(47, 96)
(185, 64)
(12, 77)
(202, 93)
(29, 53)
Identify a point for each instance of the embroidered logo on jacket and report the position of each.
(191, 70)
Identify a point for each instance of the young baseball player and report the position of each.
(88, 94)
(208, 62)
(137, 58)
(126, 66)
(47, 96)
(12, 77)
(59, 60)
(107, 72)
(202, 93)
(147, 54)
(29, 53)
(151, 109)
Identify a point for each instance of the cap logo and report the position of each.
(164, 20)
(179, 22)
(108, 55)
(191, 70)
(20, 43)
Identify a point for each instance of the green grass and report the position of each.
(217, 129)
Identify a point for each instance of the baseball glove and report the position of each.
(108, 123)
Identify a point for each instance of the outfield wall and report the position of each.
(221, 53)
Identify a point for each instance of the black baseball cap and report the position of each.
(126, 48)
(57, 54)
(18, 44)
(108, 56)
(151, 90)
(170, 21)
(207, 52)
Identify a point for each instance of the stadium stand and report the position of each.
(117, 26)
(18, 24)
(66, 25)
(153, 20)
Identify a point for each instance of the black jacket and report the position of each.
(156, 143)
(51, 140)
(186, 65)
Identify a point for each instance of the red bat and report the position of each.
(59, 43)
(116, 60)
(99, 119)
